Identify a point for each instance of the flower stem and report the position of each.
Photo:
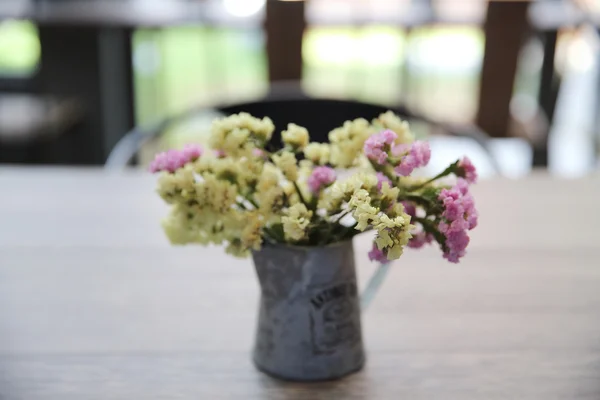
(416, 199)
(308, 205)
(385, 170)
(302, 199)
(451, 168)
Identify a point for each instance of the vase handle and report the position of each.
(373, 285)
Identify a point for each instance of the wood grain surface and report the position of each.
(95, 304)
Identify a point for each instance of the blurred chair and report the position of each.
(287, 103)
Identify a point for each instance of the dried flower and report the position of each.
(381, 178)
(467, 170)
(172, 160)
(239, 193)
(377, 255)
(318, 153)
(417, 155)
(377, 146)
(295, 221)
(295, 136)
(320, 178)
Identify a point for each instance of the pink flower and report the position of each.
(459, 210)
(456, 243)
(192, 151)
(467, 170)
(416, 156)
(421, 152)
(406, 166)
(377, 146)
(382, 178)
(320, 177)
(258, 152)
(420, 239)
(409, 208)
(459, 216)
(159, 163)
(377, 255)
(170, 161)
(462, 185)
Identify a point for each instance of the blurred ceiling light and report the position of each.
(243, 8)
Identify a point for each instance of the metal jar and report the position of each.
(309, 317)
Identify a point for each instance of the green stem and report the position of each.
(302, 199)
(416, 199)
(386, 170)
(332, 225)
(252, 201)
(451, 168)
(307, 204)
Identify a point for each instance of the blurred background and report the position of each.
(515, 85)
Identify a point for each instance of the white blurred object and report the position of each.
(512, 155)
(446, 149)
(243, 8)
(571, 141)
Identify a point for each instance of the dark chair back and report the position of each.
(287, 103)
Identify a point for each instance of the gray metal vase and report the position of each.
(309, 318)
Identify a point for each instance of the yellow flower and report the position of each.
(346, 142)
(290, 192)
(383, 240)
(250, 170)
(236, 248)
(221, 194)
(365, 215)
(295, 136)
(177, 186)
(237, 133)
(252, 232)
(360, 197)
(395, 251)
(393, 234)
(362, 180)
(226, 169)
(295, 221)
(318, 153)
(177, 228)
(385, 222)
(270, 202)
(391, 121)
(268, 178)
(286, 162)
(333, 197)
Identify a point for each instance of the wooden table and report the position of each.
(94, 304)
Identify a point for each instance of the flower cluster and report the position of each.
(172, 160)
(246, 190)
(411, 157)
(378, 146)
(320, 178)
(458, 217)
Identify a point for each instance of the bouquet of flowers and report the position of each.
(245, 191)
